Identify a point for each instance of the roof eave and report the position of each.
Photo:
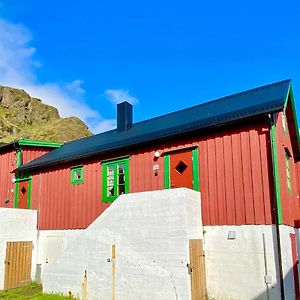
(175, 132)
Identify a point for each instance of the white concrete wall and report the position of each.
(151, 231)
(51, 243)
(236, 268)
(287, 259)
(17, 225)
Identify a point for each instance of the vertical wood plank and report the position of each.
(221, 181)
(230, 201)
(197, 270)
(256, 178)
(204, 183)
(247, 177)
(212, 181)
(238, 180)
(17, 264)
(266, 176)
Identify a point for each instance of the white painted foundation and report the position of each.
(151, 233)
(17, 225)
(51, 244)
(237, 268)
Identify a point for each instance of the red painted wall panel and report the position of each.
(63, 205)
(238, 179)
(8, 161)
(289, 200)
(235, 180)
(31, 153)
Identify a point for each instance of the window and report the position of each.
(288, 171)
(284, 123)
(77, 175)
(115, 179)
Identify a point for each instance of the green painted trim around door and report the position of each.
(16, 198)
(195, 158)
(167, 171)
(29, 193)
(276, 171)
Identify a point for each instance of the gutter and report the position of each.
(277, 212)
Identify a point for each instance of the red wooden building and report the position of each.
(15, 192)
(227, 148)
(241, 152)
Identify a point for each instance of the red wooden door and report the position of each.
(295, 264)
(181, 169)
(23, 194)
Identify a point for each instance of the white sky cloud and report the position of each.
(18, 69)
(118, 96)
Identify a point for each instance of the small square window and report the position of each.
(77, 175)
(181, 167)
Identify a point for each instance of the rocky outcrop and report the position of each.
(22, 116)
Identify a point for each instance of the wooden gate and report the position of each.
(197, 270)
(17, 264)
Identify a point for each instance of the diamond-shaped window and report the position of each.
(23, 190)
(181, 167)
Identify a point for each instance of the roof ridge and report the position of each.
(217, 100)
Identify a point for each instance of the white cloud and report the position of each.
(105, 125)
(118, 96)
(76, 87)
(18, 68)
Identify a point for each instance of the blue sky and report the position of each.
(85, 56)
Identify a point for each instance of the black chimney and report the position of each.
(124, 116)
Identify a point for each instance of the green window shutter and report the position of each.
(77, 175)
(115, 180)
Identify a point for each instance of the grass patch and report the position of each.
(32, 291)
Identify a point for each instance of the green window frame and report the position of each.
(115, 179)
(77, 175)
(288, 171)
(284, 123)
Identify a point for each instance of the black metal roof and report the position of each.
(263, 100)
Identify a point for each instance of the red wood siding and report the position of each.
(31, 153)
(64, 205)
(235, 177)
(7, 164)
(289, 200)
(235, 180)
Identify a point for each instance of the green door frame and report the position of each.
(195, 163)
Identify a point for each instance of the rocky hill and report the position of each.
(22, 116)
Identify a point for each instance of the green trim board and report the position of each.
(276, 170)
(115, 179)
(36, 143)
(16, 198)
(29, 193)
(290, 96)
(195, 158)
(167, 171)
(77, 175)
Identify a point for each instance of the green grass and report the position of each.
(32, 291)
